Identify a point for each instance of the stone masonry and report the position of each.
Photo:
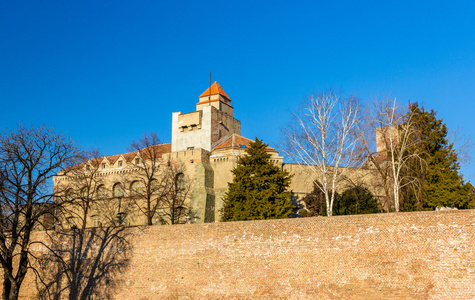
(419, 255)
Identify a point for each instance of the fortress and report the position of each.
(207, 144)
(417, 255)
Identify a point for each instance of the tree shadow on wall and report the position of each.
(83, 263)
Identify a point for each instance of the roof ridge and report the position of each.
(214, 89)
(131, 152)
(220, 141)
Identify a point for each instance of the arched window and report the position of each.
(101, 192)
(118, 190)
(136, 188)
(180, 181)
(70, 195)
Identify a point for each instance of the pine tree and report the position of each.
(259, 188)
(440, 184)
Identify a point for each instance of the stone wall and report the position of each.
(420, 255)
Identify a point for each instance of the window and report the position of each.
(136, 188)
(137, 161)
(88, 167)
(96, 221)
(69, 195)
(122, 219)
(101, 192)
(120, 163)
(103, 165)
(118, 190)
(180, 181)
(190, 148)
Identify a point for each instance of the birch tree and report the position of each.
(396, 152)
(320, 138)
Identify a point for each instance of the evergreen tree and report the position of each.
(356, 200)
(315, 204)
(258, 190)
(440, 184)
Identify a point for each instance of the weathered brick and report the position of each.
(420, 255)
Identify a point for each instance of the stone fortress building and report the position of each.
(208, 143)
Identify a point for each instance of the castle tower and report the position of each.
(215, 96)
(212, 122)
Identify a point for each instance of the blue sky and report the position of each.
(106, 71)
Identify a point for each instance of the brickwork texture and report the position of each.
(420, 255)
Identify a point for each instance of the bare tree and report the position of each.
(70, 267)
(80, 188)
(174, 206)
(150, 181)
(396, 153)
(159, 187)
(83, 263)
(366, 130)
(320, 138)
(398, 133)
(29, 158)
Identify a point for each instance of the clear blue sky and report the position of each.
(106, 71)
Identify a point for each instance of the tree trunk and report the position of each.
(6, 286)
(13, 291)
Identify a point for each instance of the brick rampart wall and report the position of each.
(421, 255)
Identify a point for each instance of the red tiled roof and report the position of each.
(235, 141)
(379, 157)
(216, 89)
(161, 149)
(95, 162)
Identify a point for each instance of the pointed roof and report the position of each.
(216, 89)
(161, 149)
(235, 141)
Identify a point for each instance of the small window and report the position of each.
(96, 221)
(120, 163)
(88, 167)
(69, 195)
(103, 165)
(190, 148)
(137, 161)
(122, 219)
(180, 181)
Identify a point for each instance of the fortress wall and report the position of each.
(420, 255)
